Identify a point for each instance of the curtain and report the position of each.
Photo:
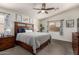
(61, 27)
(7, 21)
(7, 24)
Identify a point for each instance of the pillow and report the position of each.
(21, 30)
(28, 31)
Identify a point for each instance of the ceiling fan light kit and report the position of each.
(44, 9)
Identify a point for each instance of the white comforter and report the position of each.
(34, 39)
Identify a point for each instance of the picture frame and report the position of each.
(30, 20)
(70, 23)
(25, 19)
(19, 18)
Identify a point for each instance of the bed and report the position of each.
(31, 41)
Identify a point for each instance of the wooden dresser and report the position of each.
(75, 42)
(6, 42)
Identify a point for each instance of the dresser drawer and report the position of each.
(75, 34)
(6, 40)
(9, 40)
(75, 50)
(6, 43)
(75, 42)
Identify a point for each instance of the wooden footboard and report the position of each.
(29, 48)
(43, 45)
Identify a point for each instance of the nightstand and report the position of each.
(7, 42)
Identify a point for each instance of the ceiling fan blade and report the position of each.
(43, 5)
(56, 8)
(39, 12)
(49, 8)
(46, 12)
(36, 8)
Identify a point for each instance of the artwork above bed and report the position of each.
(24, 19)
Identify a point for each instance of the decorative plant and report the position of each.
(41, 28)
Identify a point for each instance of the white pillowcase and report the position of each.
(28, 31)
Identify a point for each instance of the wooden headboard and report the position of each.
(23, 25)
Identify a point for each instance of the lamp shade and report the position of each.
(8, 30)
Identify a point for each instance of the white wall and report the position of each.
(36, 24)
(67, 32)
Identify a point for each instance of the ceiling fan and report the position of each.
(44, 9)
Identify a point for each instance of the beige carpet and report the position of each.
(54, 48)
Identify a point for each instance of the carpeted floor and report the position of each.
(56, 47)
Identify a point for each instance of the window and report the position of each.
(2, 24)
(54, 26)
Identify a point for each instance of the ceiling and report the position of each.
(27, 8)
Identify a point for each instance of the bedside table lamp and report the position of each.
(7, 31)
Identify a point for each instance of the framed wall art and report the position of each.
(25, 19)
(19, 18)
(69, 23)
